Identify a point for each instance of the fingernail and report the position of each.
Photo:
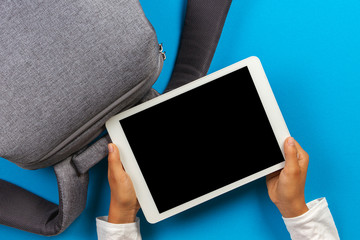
(111, 148)
(291, 141)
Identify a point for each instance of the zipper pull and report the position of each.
(161, 50)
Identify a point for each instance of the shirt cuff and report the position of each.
(111, 231)
(316, 223)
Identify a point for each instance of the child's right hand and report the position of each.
(286, 187)
(123, 202)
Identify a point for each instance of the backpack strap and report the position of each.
(26, 211)
(201, 32)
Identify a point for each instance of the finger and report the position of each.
(302, 156)
(298, 148)
(114, 159)
(290, 150)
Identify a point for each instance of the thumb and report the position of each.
(114, 162)
(291, 160)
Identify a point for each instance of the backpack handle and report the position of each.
(26, 211)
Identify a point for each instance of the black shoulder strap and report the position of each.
(24, 210)
(202, 28)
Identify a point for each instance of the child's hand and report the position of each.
(286, 187)
(123, 203)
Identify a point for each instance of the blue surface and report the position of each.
(310, 52)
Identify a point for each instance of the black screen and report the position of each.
(202, 140)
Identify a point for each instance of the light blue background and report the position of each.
(310, 52)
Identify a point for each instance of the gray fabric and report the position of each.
(65, 67)
(97, 151)
(88, 132)
(24, 210)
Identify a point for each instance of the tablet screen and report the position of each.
(202, 140)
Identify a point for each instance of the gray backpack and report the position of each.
(66, 66)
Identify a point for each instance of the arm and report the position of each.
(286, 191)
(317, 223)
(121, 222)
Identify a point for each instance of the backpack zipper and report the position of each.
(161, 50)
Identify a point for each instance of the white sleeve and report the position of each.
(111, 231)
(317, 223)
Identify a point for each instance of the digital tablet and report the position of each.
(201, 140)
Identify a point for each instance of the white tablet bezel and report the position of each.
(131, 166)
